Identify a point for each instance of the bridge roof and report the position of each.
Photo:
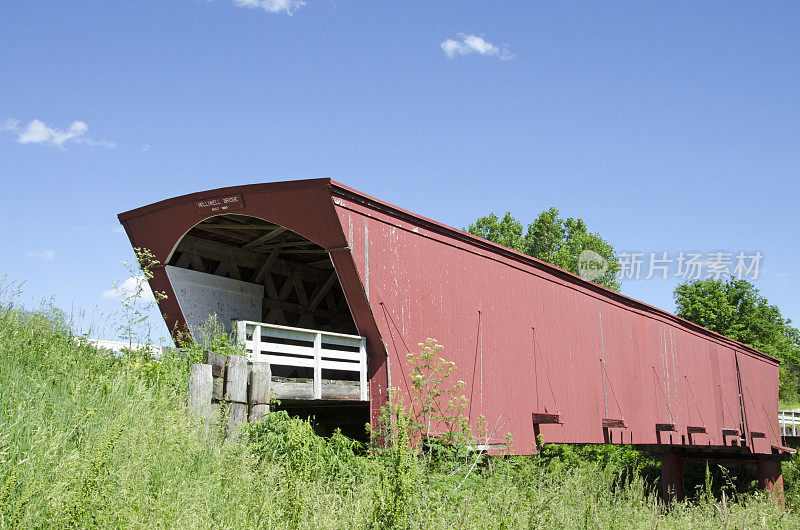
(339, 190)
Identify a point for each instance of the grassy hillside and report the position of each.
(91, 440)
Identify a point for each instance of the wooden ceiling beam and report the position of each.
(247, 258)
(266, 237)
(307, 251)
(236, 237)
(322, 264)
(237, 226)
(283, 245)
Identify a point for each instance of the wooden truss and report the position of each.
(301, 288)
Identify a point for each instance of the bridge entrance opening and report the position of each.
(278, 292)
(245, 268)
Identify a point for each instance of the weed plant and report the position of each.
(90, 439)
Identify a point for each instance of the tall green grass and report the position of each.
(89, 439)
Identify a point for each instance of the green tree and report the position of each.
(736, 309)
(552, 239)
(506, 231)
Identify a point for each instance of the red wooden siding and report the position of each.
(526, 337)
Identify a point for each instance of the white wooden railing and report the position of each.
(310, 348)
(789, 421)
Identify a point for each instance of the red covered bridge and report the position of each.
(336, 287)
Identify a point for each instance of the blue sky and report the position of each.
(667, 126)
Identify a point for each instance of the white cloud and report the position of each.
(144, 148)
(38, 132)
(11, 125)
(129, 288)
(469, 44)
(272, 6)
(117, 229)
(47, 255)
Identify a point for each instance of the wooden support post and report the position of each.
(672, 478)
(214, 419)
(217, 363)
(362, 374)
(256, 342)
(770, 479)
(260, 382)
(236, 379)
(241, 332)
(322, 292)
(218, 390)
(237, 415)
(257, 412)
(317, 368)
(200, 386)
